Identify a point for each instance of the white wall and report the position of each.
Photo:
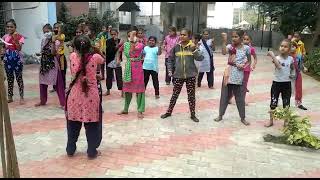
(30, 23)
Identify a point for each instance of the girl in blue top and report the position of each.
(150, 64)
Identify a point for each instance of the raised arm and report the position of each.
(171, 61)
(224, 43)
(160, 48)
(274, 59)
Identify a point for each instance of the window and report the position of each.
(93, 8)
(93, 5)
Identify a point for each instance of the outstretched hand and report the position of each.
(224, 37)
(270, 53)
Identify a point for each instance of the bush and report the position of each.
(71, 23)
(296, 130)
(312, 62)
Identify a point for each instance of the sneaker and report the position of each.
(157, 96)
(245, 122)
(194, 118)
(107, 93)
(52, 91)
(163, 116)
(219, 118)
(302, 107)
(167, 83)
(95, 156)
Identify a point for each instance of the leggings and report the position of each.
(298, 89)
(19, 79)
(246, 75)
(191, 86)
(155, 80)
(280, 87)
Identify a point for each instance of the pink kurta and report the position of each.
(137, 76)
(80, 107)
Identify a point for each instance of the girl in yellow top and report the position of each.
(58, 39)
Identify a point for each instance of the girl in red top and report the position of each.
(13, 59)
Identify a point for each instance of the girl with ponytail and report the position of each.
(83, 104)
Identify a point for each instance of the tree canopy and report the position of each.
(292, 16)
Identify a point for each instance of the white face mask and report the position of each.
(47, 35)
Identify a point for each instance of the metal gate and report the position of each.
(2, 18)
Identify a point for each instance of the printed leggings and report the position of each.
(283, 88)
(191, 86)
(10, 78)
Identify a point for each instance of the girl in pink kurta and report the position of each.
(133, 79)
(83, 102)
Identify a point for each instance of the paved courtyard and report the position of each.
(172, 147)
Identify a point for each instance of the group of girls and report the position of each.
(187, 58)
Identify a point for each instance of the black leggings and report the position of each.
(280, 87)
(155, 80)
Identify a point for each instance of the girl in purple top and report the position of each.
(169, 42)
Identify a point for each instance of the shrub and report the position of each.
(71, 23)
(296, 130)
(312, 62)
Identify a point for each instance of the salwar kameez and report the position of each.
(133, 81)
(50, 74)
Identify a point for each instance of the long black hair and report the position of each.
(12, 21)
(83, 45)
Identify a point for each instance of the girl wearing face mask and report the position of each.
(58, 38)
(49, 69)
(13, 59)
(239, 55)
(133, 80)
(297, 81)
